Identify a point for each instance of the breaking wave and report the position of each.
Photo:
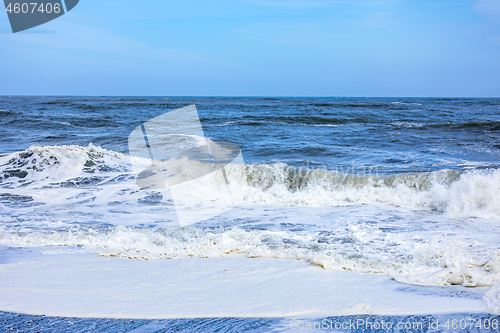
(472, 193)
(431, 262)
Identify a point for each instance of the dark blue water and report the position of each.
(390, 134)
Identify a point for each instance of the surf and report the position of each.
(472, 193)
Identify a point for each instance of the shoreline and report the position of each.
(477, 322)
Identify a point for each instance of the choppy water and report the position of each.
(409, 187)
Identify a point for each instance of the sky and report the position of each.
(365, 48)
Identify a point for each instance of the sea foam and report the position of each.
(471, 193)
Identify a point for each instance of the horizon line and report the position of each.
(252, 96)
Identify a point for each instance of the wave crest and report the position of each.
(472, 193)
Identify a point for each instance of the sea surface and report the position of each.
(403, 189)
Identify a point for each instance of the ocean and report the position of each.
(344, 209)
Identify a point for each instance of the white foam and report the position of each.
(407, 124)
(492, 299)
(468, 194)
(473, 194)
(83, 197)
(88, 286)
(45, 165)
(403, 256)
(402, 103)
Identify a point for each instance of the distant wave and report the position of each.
(326, 120)
(298, 119)
(488, 125)
(6, 113)
(368, 104)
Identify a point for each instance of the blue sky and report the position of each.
(259, 48)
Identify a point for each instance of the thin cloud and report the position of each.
(291, 3)
(490, 8)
